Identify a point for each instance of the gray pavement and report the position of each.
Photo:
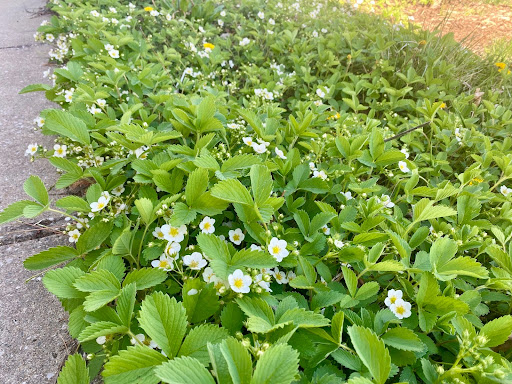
(33, 326)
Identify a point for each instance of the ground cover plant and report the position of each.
(282, 192)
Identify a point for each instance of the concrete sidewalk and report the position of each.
(33, 327)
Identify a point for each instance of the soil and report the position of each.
(474, 23)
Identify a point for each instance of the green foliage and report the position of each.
(314, 198)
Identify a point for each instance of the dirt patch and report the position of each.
(476, 24)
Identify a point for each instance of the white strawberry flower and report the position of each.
(312, 166)
(280, 276)
(404, 151)
(236, 236)
(101, 102)
(393, 296)
(99, 205)
(74, 235)
(386, 201)
(339, 243)
(348, 195)
(174, 234)
(256, 247)
(320, 174)
(165, 262)
(280, 153)
(258, 279)
(192, 292)
(101, 340)
(31, 150)
(158, 233)
(401, 309)
(195, 261)
(117, 191)
(142, 338)
(259, 148)
(505, 191)
(172, 249)
(277, 248)
(326, 230)
(261, 15)
(114, 53)
(209, 275)
(239, 282)
(39, 121)
(403, 166)
(59, 150)
(291, 275)
(206, 225)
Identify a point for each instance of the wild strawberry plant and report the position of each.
(288, 192)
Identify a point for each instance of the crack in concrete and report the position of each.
(32, 231)
(21, 46)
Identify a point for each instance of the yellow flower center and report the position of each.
(239, 283)
(194, 264)
(163, 264)
(160, 235)
(148, 9)
(100, 205)
(207, 225)
(392, 299)
(279, 276)
(236, 237)
(400, 310)
(60, 151)
(276, 249)
(174, 231)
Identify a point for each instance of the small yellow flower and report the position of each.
(501, 66)
(442, 106)
(349, 57)
(148, 9)
(422, 42)
(336, 116)
(208, 45)
(476, 180)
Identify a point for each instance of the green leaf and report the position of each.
(337, 326)
(97, 281)
(134, 365)
(201, 305)
(15, 211)
(60, 282)
(165, 321)
(50, 257)
(278, 365)
(252, 259)
(145, 278)
(101, 328)
(184, 370)
(182, 214)
(195, 344)
(497, 331)
(65, 124)
(237, 359)
(233, 191)
(74, 371)
(404, 339)
(425, 210)
(261, 184)
(97, 299)
(387, 266)
(126, 303)
(34, 187)
(145, 208)
(93, 237)
(219, 364)
(35, 88)
(73, 203)
(217, 251)
(303, 319)
(196, 185)
(372, 352)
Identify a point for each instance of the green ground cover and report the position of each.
(281, 192)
